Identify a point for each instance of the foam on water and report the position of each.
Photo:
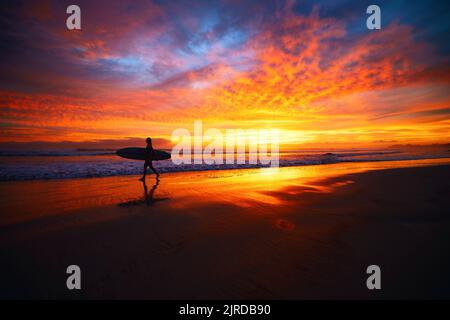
(66, 164)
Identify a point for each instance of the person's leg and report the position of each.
(153, 169)
(145, 171)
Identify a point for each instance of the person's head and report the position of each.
(148, 140)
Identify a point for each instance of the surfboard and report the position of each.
(141, 154)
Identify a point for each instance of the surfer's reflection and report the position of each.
(149, 196)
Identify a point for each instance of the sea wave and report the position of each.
(99, 166)
(57, 153)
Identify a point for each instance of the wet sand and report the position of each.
(291, 233)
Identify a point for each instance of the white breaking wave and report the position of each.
(68, 164)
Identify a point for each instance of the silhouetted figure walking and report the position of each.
(148, 161)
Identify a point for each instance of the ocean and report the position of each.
(85, 163)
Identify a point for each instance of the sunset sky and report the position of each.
(144, 68)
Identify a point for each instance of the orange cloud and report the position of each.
(302, 74)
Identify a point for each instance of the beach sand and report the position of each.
(291, 233)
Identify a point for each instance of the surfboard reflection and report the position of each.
(149, 198)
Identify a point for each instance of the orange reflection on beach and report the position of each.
(23, 201)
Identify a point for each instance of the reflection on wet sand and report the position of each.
(301, 232)
(250, 188)
(149, 196)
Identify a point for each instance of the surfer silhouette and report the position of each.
(148, 160)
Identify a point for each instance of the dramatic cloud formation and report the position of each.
(140, 68)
